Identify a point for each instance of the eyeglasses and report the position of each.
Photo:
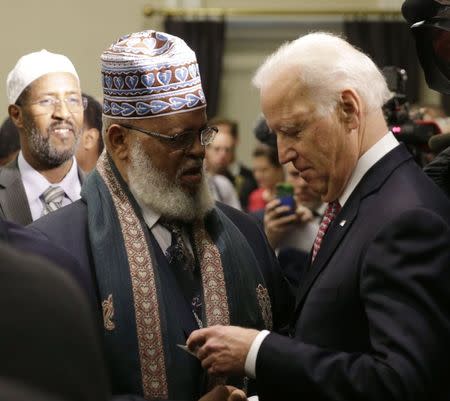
(182, 140)
(48, 104)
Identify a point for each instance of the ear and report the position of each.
(16, 114)
(350, 108)
(118, 142)
(90, 138)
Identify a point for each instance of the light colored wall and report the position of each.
(82, 29)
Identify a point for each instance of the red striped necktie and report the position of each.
(330, 213)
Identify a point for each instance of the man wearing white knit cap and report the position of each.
(46, 105)
(162, 257)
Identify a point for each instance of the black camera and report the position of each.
(414, 133)
(430, 24)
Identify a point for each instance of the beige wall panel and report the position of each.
(79, 29)
(82, 29)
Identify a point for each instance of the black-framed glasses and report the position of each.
(182, 140)
(48, 104)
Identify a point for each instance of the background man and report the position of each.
(372, 319)
(90, 146)
(221, 159)
(165, 259)
(292, 234)
(47, 108)
(9, 142)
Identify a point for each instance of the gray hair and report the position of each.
(326, 65)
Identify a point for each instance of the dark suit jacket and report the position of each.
(439, 170)
(13, 199)
(49, 339)
(68, 228)
(372, 320)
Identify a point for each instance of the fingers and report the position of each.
(218, 393)
(304, 214)
(272, 204)
(237, 395)
(197, 338)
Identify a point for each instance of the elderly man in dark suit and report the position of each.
(46, 106)
(163, 259)
(372, 318)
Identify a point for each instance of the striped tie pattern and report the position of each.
(52, 199)
(330, 213)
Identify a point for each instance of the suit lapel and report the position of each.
(336, 231)
(13, 199)
(371, 181)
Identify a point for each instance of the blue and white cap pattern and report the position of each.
(149, 74)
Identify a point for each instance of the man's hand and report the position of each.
(276, 222)
(222, 350)
(224, 393)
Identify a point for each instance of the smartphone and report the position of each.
(285, 193)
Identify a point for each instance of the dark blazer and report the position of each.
(68, 228)
(49, 339)
(372, 319)
(439, 170)
(13, 199)
(55, 227)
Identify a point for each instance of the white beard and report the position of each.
(152, 189)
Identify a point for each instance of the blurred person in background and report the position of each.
(90, 146)
(292, 234)
(9, 142)
(221, 159)
(268, 172)
(222, 190)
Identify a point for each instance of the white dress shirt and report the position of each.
(365, 162)
(162, 235)
(35, 184)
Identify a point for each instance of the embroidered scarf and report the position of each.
(136, 320)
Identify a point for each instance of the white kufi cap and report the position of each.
(33, 66)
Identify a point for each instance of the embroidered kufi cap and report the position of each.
(149, 74)
(33, 66)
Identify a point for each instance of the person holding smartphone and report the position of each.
(294, 225)
(291, 222)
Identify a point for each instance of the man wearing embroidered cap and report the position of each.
(46, 106)
(166, 259)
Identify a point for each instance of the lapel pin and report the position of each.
(342, 223)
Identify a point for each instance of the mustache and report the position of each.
(195, 165)
(62, 125)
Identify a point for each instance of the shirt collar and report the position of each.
(150, 216)
(366, 161)
(35, 183)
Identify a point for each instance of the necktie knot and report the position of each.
(52, 199)
(331, 211)
(178, 251)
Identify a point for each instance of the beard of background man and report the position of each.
(153, 189)
(40, 144)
